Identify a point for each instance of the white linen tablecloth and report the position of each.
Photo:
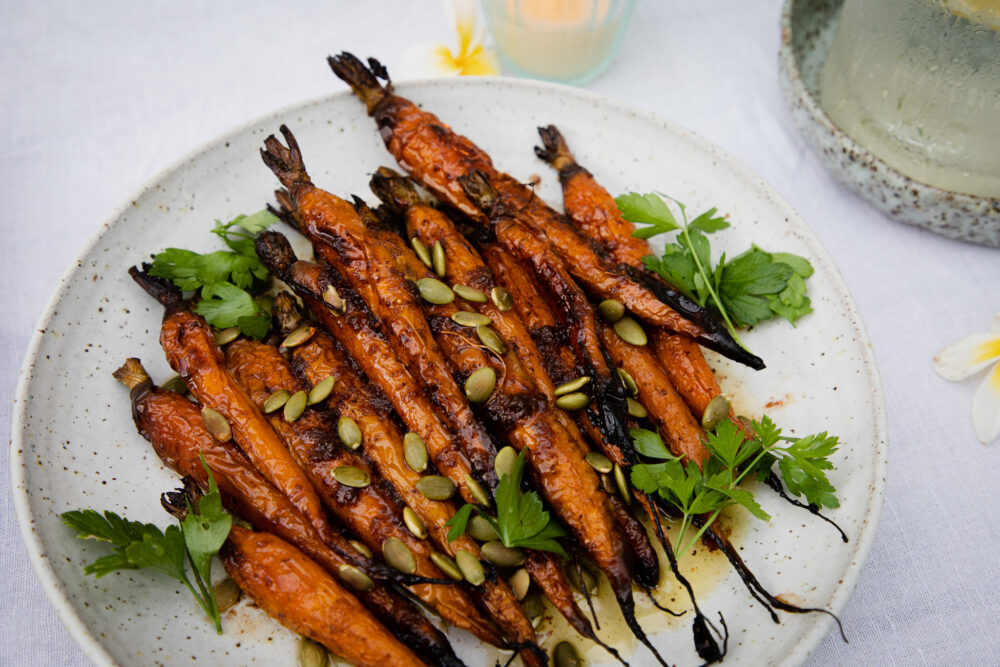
(96, 98)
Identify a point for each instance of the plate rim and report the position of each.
(863, 543)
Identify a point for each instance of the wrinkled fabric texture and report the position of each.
(97, 98)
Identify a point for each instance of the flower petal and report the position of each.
(986, 407)
(427, 60)
(967, 356)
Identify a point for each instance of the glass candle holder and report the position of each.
(568, 41)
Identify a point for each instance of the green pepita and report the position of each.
(480, 385)
(436, 487)
(433, 290)
(216, 424)
(520, 582)
(470, 567)
(355, 579)
(533, 605)
(398, 555)
(299, 336)
(580, 579)
(623, 484)
(414, 523)
(227, 336)
(572, 385)
(627, 380)
(611, 310)
(295, 405)
(608, 483)
(349, 432)
(446, 565)
(276, 400)
(355, 478)
(489, 337)
(361, 548)
(465, 318)
(470, 294)
(499, 554)
(437, 259)
(599, 462)
(636, 409)
(312, 654)
(630, 331)
(716, 410)
(332, 298)
(575, 401)
(227, 593)
(321, 390)
(565, 655)
(477, 491)
(502, 298)
(423, 253)
(481, 529)
(176, 384)
(415, 452)
(504, 460)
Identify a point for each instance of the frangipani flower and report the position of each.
(470, 57)
(971, 355)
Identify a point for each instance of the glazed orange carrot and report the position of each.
(192, 352)
(174, 427)
(290, 587)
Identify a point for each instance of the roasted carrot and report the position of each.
(289, 586)
(174, 427)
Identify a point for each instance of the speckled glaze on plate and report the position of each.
(74, 444)
(807, 30)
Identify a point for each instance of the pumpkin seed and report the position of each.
(611, 310)
(415, 452)
(622, 482)
(502, 298)
(436, 487)
(716, 410)
(477, 490)
(332, 298)
(355, 579)
(565, 655)
(227, 593)
(636, 409)
(465, 318)
(433, 290)
(312, 654)
(582, 579)
(414, 523)
(630, 331)
(398, 555)
(480, 385)
(349, 432)
(599, 462)
(572, 385)
(491, 339)
(361, 548)
(629, 383)
(227, 336)
(481, 529)
(470, 567)
(295, 405)
(175, 384)
(276, 400)
(498, 553)
(575, 401)
(608, 483)
(299, 336)
(422, 251)
(321, 390)
(446, 565)
(504, 460)
(533, 605)
(747, 423)
(437, 259)
(355, 478)
(519, 582)
(470, 293)
(216, 424)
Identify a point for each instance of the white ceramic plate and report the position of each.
(75, 446)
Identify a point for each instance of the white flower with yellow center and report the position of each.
(469, 57)
(971, 355)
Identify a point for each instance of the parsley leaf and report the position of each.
(649, 443)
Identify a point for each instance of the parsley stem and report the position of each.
(697, 536)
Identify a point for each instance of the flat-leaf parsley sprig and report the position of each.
(753, 287)
(708, 490)
(136, 545)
